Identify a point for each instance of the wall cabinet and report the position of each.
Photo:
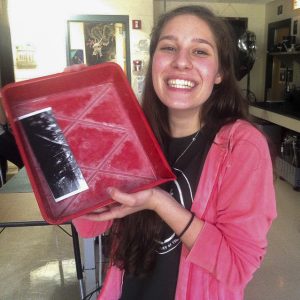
(283, 62)
(284, 76)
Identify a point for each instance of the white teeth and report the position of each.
(181, 83)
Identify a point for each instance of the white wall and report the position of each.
(256, 22)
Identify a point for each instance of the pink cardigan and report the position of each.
(235, 198)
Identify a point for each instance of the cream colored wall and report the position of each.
(137, 10)
(48, 26)
(256, 23)
(287, 12)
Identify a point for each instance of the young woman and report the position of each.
(203, 235)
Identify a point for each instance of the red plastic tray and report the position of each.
(105, 128)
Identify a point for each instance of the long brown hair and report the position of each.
(133, 237)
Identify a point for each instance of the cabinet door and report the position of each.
(278, 66)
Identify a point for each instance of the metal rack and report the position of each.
(288, 163)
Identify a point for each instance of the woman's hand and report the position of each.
(127, 204)
(76, 67)
(156, 199)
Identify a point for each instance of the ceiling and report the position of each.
(228, 1)
(242, 1)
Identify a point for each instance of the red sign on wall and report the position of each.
(136, 24)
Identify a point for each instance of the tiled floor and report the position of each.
(36, 263)
(279, 276)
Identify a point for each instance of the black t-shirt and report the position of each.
(160, 284)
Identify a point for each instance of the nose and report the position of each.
(182, 60)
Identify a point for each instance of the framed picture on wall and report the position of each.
(100, 42)
(94, 39)
(76, 56)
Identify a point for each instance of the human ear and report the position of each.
(218, 78)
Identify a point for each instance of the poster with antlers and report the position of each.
(94, 39)
(100, 42)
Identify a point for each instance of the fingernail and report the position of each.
(109, 190)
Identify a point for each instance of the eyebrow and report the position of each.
(197, 40)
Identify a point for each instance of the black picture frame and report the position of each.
(98, 35)
(295, 27)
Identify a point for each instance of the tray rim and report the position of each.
(28, 166)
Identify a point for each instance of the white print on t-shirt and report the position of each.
(172, 241)
(188, 184)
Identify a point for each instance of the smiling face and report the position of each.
(185, 64)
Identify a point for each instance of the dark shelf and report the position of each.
(282, 108)
(285, 53)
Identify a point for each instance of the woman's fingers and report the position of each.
(123, 198)
(115, 212)
(76, 67)
(142, 199)
(124, 205)
(101, 210)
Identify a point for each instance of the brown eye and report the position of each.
(168, 48)
(200, 52)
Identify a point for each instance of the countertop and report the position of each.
(278, 113)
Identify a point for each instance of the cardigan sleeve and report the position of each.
(90, 229)
(232, 244)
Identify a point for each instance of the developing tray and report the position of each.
(106, 132)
